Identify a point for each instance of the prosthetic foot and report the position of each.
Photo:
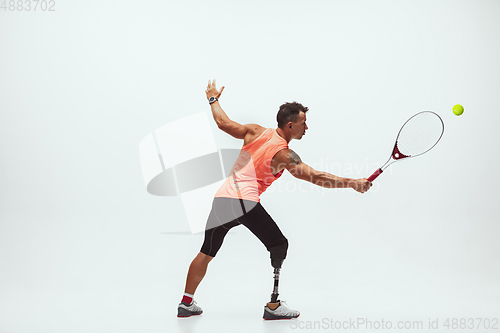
(281, 312)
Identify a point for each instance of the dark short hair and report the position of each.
(289, 112)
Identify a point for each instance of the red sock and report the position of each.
(187, 298)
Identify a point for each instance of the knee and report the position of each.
(202, 259)
(278, 253)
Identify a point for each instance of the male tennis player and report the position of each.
(263, 158)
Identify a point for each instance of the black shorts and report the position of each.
(227, 213)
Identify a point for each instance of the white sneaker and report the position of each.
(281, 312)
(188, 310)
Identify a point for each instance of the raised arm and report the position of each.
(288, 159)
(223, 122)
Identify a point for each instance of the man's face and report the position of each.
(299, 127)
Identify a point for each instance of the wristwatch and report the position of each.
(212, 100)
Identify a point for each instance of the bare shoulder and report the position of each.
(285, 159)
(253, 131)
(287, 156)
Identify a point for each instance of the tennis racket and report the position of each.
(418, 135)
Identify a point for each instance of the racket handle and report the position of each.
(375, 175)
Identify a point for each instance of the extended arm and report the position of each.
(223, 122)
(292, 162)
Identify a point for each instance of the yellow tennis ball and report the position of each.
(458, 109)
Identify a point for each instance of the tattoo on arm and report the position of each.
(293, 157)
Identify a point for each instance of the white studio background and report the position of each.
(84, 247)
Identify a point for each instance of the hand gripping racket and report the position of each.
(418, 135)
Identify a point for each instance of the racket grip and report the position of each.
(375, 175)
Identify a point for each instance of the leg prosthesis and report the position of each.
(278, 255)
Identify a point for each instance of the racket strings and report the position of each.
(420, 133)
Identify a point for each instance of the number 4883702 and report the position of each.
(28, 5)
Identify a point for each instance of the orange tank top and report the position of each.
(251, 173)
